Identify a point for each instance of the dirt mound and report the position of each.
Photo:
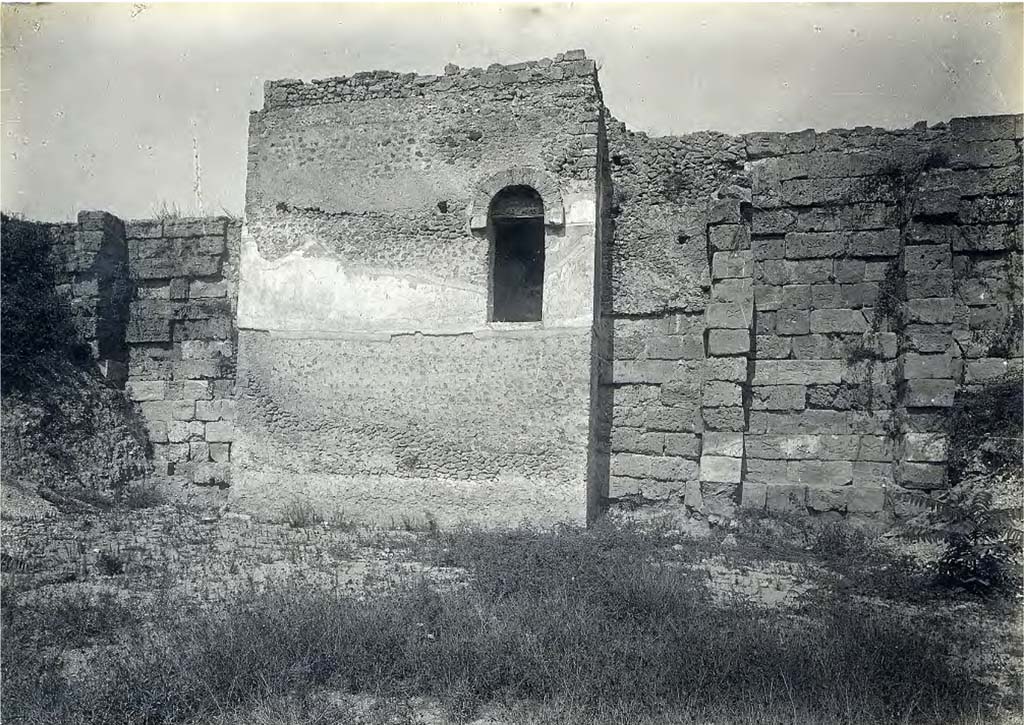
(75, 444)
(68, 437)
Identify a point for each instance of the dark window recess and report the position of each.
(517, 282)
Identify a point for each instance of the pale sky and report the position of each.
(101, 103)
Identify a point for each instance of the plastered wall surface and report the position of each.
(402, 426)
(369, 376)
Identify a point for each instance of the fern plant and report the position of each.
(981, 542)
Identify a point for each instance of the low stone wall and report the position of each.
(201, 558)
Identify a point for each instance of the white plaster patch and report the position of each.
(318, 293)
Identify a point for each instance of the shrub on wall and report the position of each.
(68, 436)
(37, 335)
(985, 428)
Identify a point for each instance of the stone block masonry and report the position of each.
(857, 238)
(181, 339)
(100, 289)
(156, 301)
(851, 286)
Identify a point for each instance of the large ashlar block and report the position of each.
(729, 237)
(643, 371)
(773, 347)
(827, 498)
(930, 311)
(820, 473)
(927, 366)
(723, 444)
(220, 432)
(927, 258)
(724, 419)
(146, 390)
(213, 410)
(838, 321)
(729, 315)
(808, 271)
(925, 447)
(985, 369)
(725, 368)
(873, 473)
(986, 128)
(675, 347)
(686, 445)
(681, 419)
(753, 496)
(927, 338)
(728, 342)
(798, 372)
(621, 486)
(778, 397)
(925, 476)
(168, 410)
(865, 499)
(719, 498)
(764, 472)
(739, 291)
(929, 284)
(927, 393)
(681, 393)
(820, 447)
(786, 497)
(873, 244)
(732, 264)
(938, 202)
(793, 322)
(799, 421)
(721, 469)
(719, 394)
(807, 245)
(983, 154)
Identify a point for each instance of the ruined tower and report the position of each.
(419, 295)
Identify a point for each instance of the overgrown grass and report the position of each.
(601, 622)
(300, 514)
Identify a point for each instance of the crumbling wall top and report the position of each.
(361, 86)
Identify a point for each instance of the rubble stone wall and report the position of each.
(370, 378)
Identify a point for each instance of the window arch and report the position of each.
(516, 222)
(540, 181)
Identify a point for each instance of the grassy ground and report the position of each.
(618, 624)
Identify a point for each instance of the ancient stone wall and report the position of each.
(871, 250)
(670, 384)
(181, 341)
(855, 281)
(769, 321)
(371, 378)
(93, 255)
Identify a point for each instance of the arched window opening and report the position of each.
(517, 261)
